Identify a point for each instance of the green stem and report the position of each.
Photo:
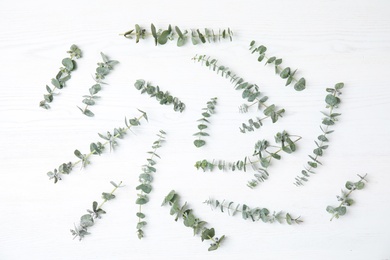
(105, 143)
(112, 192)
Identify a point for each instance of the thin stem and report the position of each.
(278, 69)
(105, 143)
(112, 192)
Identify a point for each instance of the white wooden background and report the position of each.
(328, 41)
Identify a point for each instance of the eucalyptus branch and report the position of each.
(259, 161)
(69, 64)
(255, 214)
(163, 97)
(250, 92)
(96, 148)
(332, 101)
(345, 200)
(161, 36)
(208, 111)
(88, 220)
(284, 73)
(146, 178)
(102, 71)
(190, 220)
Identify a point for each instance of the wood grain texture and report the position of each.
(328, 41)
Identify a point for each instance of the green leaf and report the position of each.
(142, 200)
(147, 188)
(349, 185)
(341, 210)
(327, 121)
(332, 100)
(88, 112)
(86, 220)
(300, 85)
(318, 151)
(56, 83)
(89, 102)
(141, 224)
(271, 60)
(108, 196)
(202, 126)
(278, 62)
(189, 220)
(163, 38)
(199, 143)
(360, 185)
(339, 86)
(169, 197)
(154, 33)
(140, 215)
(140, 83)
(330, 209)
(68, 64)
(285, 73)
(208, 234)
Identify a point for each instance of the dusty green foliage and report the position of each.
(97, 148)
(254, 214)
(285, 73)
(102, 71)
(345, 200)
(69, 65)
(162, 36)
(259, 161)
(250, 92)
(330, 118)
(163, 97)
(146, 178)
(204, 121)
(190, 220)
(88, 220)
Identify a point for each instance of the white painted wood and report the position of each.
(328, 41)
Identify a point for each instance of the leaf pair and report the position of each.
(207, 112)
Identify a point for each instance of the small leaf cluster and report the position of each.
(102, 71)
(330, 118)
(96, 148)
(88, 220)
(161, 36)
(208, 111)
(163, 97)
(190, 220)
(286, 73)
(261, 159)
(250, 92)
(345, 200)
(69, 64)
(254, 214)
(269, 112)
(146, 178)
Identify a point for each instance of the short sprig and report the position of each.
(332, 101)
(146, 178)
(190, 220)
(250, 92)
(96, 148)
(69, 65)
(285, 73)
(102, 71)
(254, 214)
(161, 36)
(207, 112)
(260, 160)
(88, 220)
(345, 200)
(163, 97)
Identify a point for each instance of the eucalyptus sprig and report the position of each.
(102, 71)
(146, 178)
(332, 101)
(259, 161)
(208, 111)
(190, 220)
(345, 200)
(250, 92)
(161, 36)
(163, 97)
(96, 148)
(88, 220)
(285, 73)
(69, 65)
(254, 214)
